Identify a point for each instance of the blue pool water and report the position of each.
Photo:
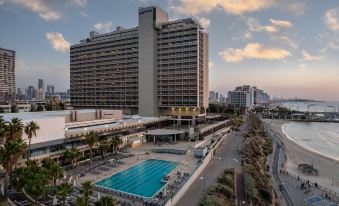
(143, 179)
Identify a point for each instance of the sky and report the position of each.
(290, 48)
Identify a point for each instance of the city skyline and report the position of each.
(287, 48)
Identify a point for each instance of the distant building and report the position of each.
(158, 68)
(41, 84)
(50, 89)
(30, 93)
(247, 96)
(21, 95)
(40, 94)
(7, 75)
(212, 96)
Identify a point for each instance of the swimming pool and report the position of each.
(144, 179)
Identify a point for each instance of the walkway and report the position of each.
(227, 156)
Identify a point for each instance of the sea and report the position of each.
(319, 137)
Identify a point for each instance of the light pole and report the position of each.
(203, 190)
(220, 165)
(235, 162)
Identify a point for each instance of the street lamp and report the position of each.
(219, 158)
(203, 191)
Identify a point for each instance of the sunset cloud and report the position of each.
(58, 41)
(47, 10)
(235, 7)
(332, 19)
(275, 26)
(204, 22)
(105, 27)
(308, 57)
(253, 51)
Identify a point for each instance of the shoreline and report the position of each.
(328, 168)
(305, 146)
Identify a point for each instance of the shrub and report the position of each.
(250, 189)
(265, 195)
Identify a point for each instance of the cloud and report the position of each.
(58, 41)
(286, 40)
(302, 67)
(105, 27)
(281, 23)
(296, 8)
(275, 26)
(204, 22)
(48, 10)
(332, 19)
(230, 6)
(308, 57)
(253, 51)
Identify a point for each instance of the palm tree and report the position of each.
(72, 155)
(53, 168)
(106, 201)
(30, 130)
(15, 127)
(3, 130)
(103, 147)
(64, 190)
(10, 153)
(87, 191)
(116, 141)
(91, 139)
(80, 201)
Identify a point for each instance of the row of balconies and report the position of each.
(97, 45)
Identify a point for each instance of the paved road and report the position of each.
(228, 152)
(276, 168)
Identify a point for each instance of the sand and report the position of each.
(328, 169)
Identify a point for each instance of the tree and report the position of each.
(87, 191)
(54, 170)
(36, 180)
(72, 155)
(116, 141)
(39, 108)
(3, 129)
(10, 153)
(15, 127)
(64, 190)
(80, 201)
(30, 130)
(103, 148)
(106, 201)
(91, 139)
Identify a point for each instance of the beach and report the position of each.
(328, 168)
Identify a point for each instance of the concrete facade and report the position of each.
(157, 68)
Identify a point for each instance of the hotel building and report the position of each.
(7, 76)
(158, 68)
(247, 96)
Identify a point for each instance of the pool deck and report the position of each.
(187, 162)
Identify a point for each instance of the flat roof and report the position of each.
(164, 132)
(43, 114)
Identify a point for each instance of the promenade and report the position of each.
(227, 156)
(291, 191)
